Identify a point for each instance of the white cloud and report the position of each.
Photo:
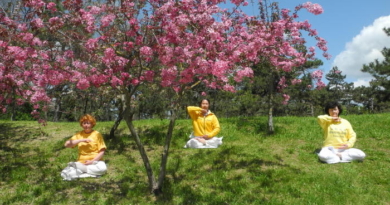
(363, 49)
(361, 82)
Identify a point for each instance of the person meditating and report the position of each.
(339, 137)
(91, 149)
(205, 127)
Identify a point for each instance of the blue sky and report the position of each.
(352, 28)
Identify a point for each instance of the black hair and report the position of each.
(200, 103)
(331, 105)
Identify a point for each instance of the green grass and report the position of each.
(250, 167)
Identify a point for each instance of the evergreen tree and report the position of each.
(380, 70)
(336, 83)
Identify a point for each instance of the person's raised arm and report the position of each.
(323, 120)
(71, 143)
(194, 111)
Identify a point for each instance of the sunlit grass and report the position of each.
(251, 167)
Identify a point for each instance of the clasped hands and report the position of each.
(202, 139)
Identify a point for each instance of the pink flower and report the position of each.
(220, 67)
(246, 72)
(52, 6)
(296, 81)
(203, 94)
(313, 8)
(286, 99)
(56, 22)
(89, 19)
(37, 22)
(109, 56)
(237, 2)
(7, 21)
(128, 46)
(83, 84)
(168, 76)
(3, 44)
(39, 96)
(320, 85)
(27, 37)
(229, 88)
(68, 54)
(317, 74)
(95, 10)
(37, 4)
(36, 42)
(149, 75)
(134, 81)
(106, 20)
(282, 83)
(19, 101)
(116, 81)
(19, 63)
(91, 44)
(146, 51)
(22, 27)
(80, 65)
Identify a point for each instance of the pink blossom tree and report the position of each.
(283, 68)
(125, 44)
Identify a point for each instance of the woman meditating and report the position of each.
(91, 149)
(339, 137)
(205, 127)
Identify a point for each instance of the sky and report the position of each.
(353, 30)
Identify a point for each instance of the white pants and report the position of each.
(331, 155)
(76, 170)
(211, 143)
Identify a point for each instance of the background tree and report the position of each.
(277, 76)
(380, 70)
(365, 96)
(336, 83)
(303, 100)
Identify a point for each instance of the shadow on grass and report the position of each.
(226, 175)
(251, 125)
(150, 137)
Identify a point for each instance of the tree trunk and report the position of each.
(85, 106)
(13, 112)
(155, 187)
(116, 125)
(57, 108)
(129, 121)
(164, 159)
(312, 110)
(118, 119)
(271, 105)
(270, 115)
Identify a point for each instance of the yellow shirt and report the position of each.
(89, 150)
(336, 133)
(203, 124)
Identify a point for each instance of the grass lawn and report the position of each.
(249, 168)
